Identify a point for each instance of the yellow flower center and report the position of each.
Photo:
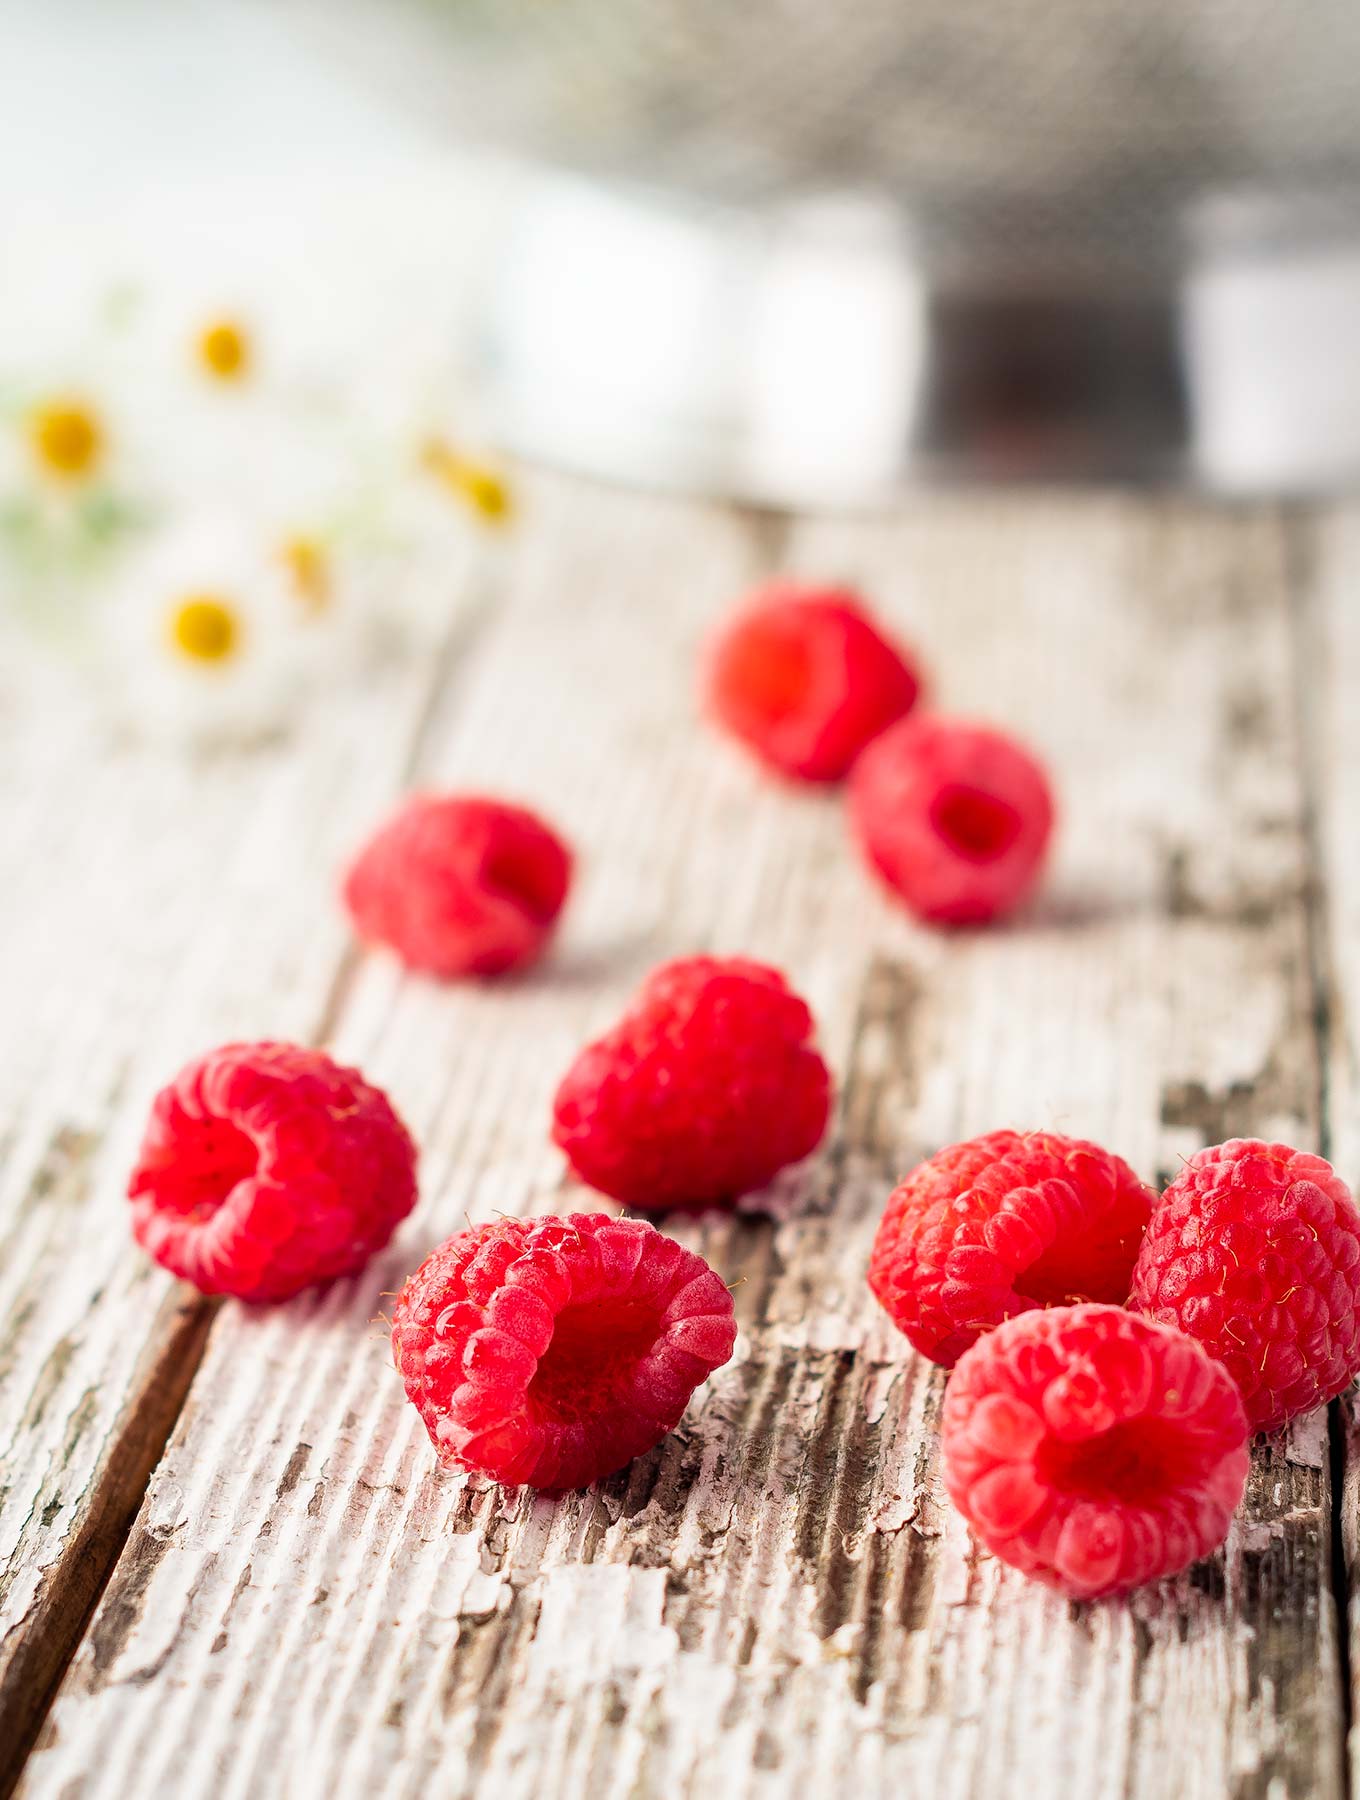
(478, 486)
(66, 439)
(205, 629)
(224, 350)
(308, 568)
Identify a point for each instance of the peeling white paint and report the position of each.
(779, 1602)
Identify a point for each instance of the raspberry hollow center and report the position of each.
(209, 1161)
(592, 1360)
(1048, 1284)
(1138, 1462)
(975, 824)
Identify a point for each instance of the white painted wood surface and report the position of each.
(778, 1600)
(155, 905)
(1330, 678)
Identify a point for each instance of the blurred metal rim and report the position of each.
(806, 356)
(1072, 240)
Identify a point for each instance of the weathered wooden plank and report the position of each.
(777, 1601)
(160, 903)
(1186, 1014)
(1327, 554)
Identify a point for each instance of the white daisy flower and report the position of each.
(223, 350)
(222, 431)
(369, 514)
(66, 440)
(204, 636)
(428, 512)
(423, 422)
(66, 506)
(64, 412)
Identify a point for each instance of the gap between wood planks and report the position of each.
(1307, 645)
(178, 1339)
(173, 1352)
(170, 1360)
(1303, 623)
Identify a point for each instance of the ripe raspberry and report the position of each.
(1092, 1449)
(552, 1351)
(702, 1092)
(459, 885)
(955, 818)
(1000, 1225)
(266, 1168)
(805, 678)
(1254, 1250)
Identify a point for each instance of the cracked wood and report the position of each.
(777, 1601)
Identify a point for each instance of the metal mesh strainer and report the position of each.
(1082, 121)
(1055, 148)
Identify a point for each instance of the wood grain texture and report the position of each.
(777, 1601)
(1326, 560)
(159, 904)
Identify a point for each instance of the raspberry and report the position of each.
(1000, 1225)
(266, 1168)
(1254, 1250)
(954, 817)
(552, 1351)
(805, 679)
(1093, 1449)
(459, 885)
(702, 1092)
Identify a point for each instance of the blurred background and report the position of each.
(807, 255)
(285, 284)
(232, 301)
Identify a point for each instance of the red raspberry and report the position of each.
(1092, 1449)
(552, 1351)
(1254, 1249)
(955, 818)
(702, 1092)
(459, 885)
(1002, 1224)
(805, 678)
(266, 1168)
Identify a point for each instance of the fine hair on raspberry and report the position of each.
(804, 678)
(954, 817)
(1000, 1224)
(1094, 1449)
(1254, 1249)
(460, 884)
(266, 1168)
(552, 1351)
(707, 1087)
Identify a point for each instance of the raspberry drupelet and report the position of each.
(1254, 1249)
(704, 1090)
(955, 818)
(552, 1351)
(1001, 1224)
(460, 884)
(804, 678)
(266, 1168)
(1093, 1449)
